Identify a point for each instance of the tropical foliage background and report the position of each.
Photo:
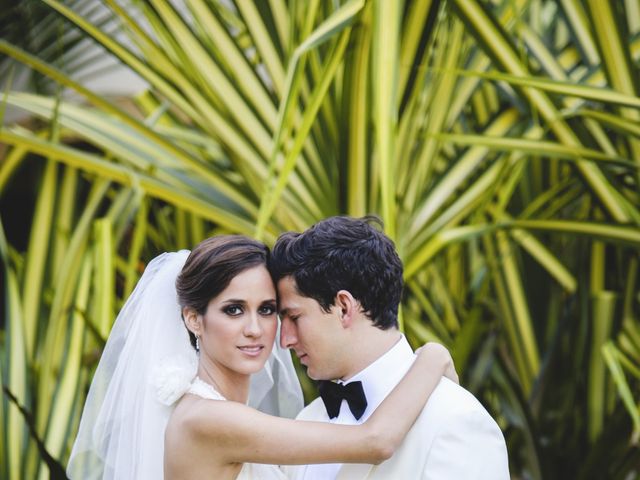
(498, 140)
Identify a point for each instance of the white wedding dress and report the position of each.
(148, 363)
(249, 471)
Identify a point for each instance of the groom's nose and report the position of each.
(288, 334)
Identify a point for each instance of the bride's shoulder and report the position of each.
(195, 415)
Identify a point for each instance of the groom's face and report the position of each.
(312, 333)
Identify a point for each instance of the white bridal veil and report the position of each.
(121, 432)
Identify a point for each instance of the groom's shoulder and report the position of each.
(455, 398)
(450, 399)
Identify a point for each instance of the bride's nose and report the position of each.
(252, 327)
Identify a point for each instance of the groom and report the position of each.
(339, 287)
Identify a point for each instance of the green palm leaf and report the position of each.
(497, 140)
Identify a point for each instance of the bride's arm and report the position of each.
(237, 433)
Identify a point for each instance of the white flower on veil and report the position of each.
(172, 377)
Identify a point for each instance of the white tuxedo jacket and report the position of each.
(454, 438)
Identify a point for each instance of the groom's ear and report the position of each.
(190, 316)
(347, 307)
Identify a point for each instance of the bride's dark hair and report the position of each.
(211, 266)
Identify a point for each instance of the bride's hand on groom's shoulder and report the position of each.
(437, 354)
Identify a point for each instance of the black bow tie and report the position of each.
(333, 393)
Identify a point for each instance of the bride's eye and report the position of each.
(233, 310)
(267, 310)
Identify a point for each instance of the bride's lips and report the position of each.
(251, 350)
(302, 357)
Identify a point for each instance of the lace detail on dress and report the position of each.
(204, 390)
(249, 471)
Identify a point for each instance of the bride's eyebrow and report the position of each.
(234, 300)
(244, 302)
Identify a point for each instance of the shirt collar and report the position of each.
(381, 376)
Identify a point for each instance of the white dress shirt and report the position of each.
(378, 379)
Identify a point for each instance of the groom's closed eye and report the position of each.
(289, 314)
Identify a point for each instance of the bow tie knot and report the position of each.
(333, 393)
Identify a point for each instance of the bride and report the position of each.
(200, 401)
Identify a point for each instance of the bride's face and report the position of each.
(239, 326)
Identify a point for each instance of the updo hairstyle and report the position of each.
(211, 266)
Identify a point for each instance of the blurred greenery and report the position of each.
(498, 140)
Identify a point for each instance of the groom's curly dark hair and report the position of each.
(343, 253)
